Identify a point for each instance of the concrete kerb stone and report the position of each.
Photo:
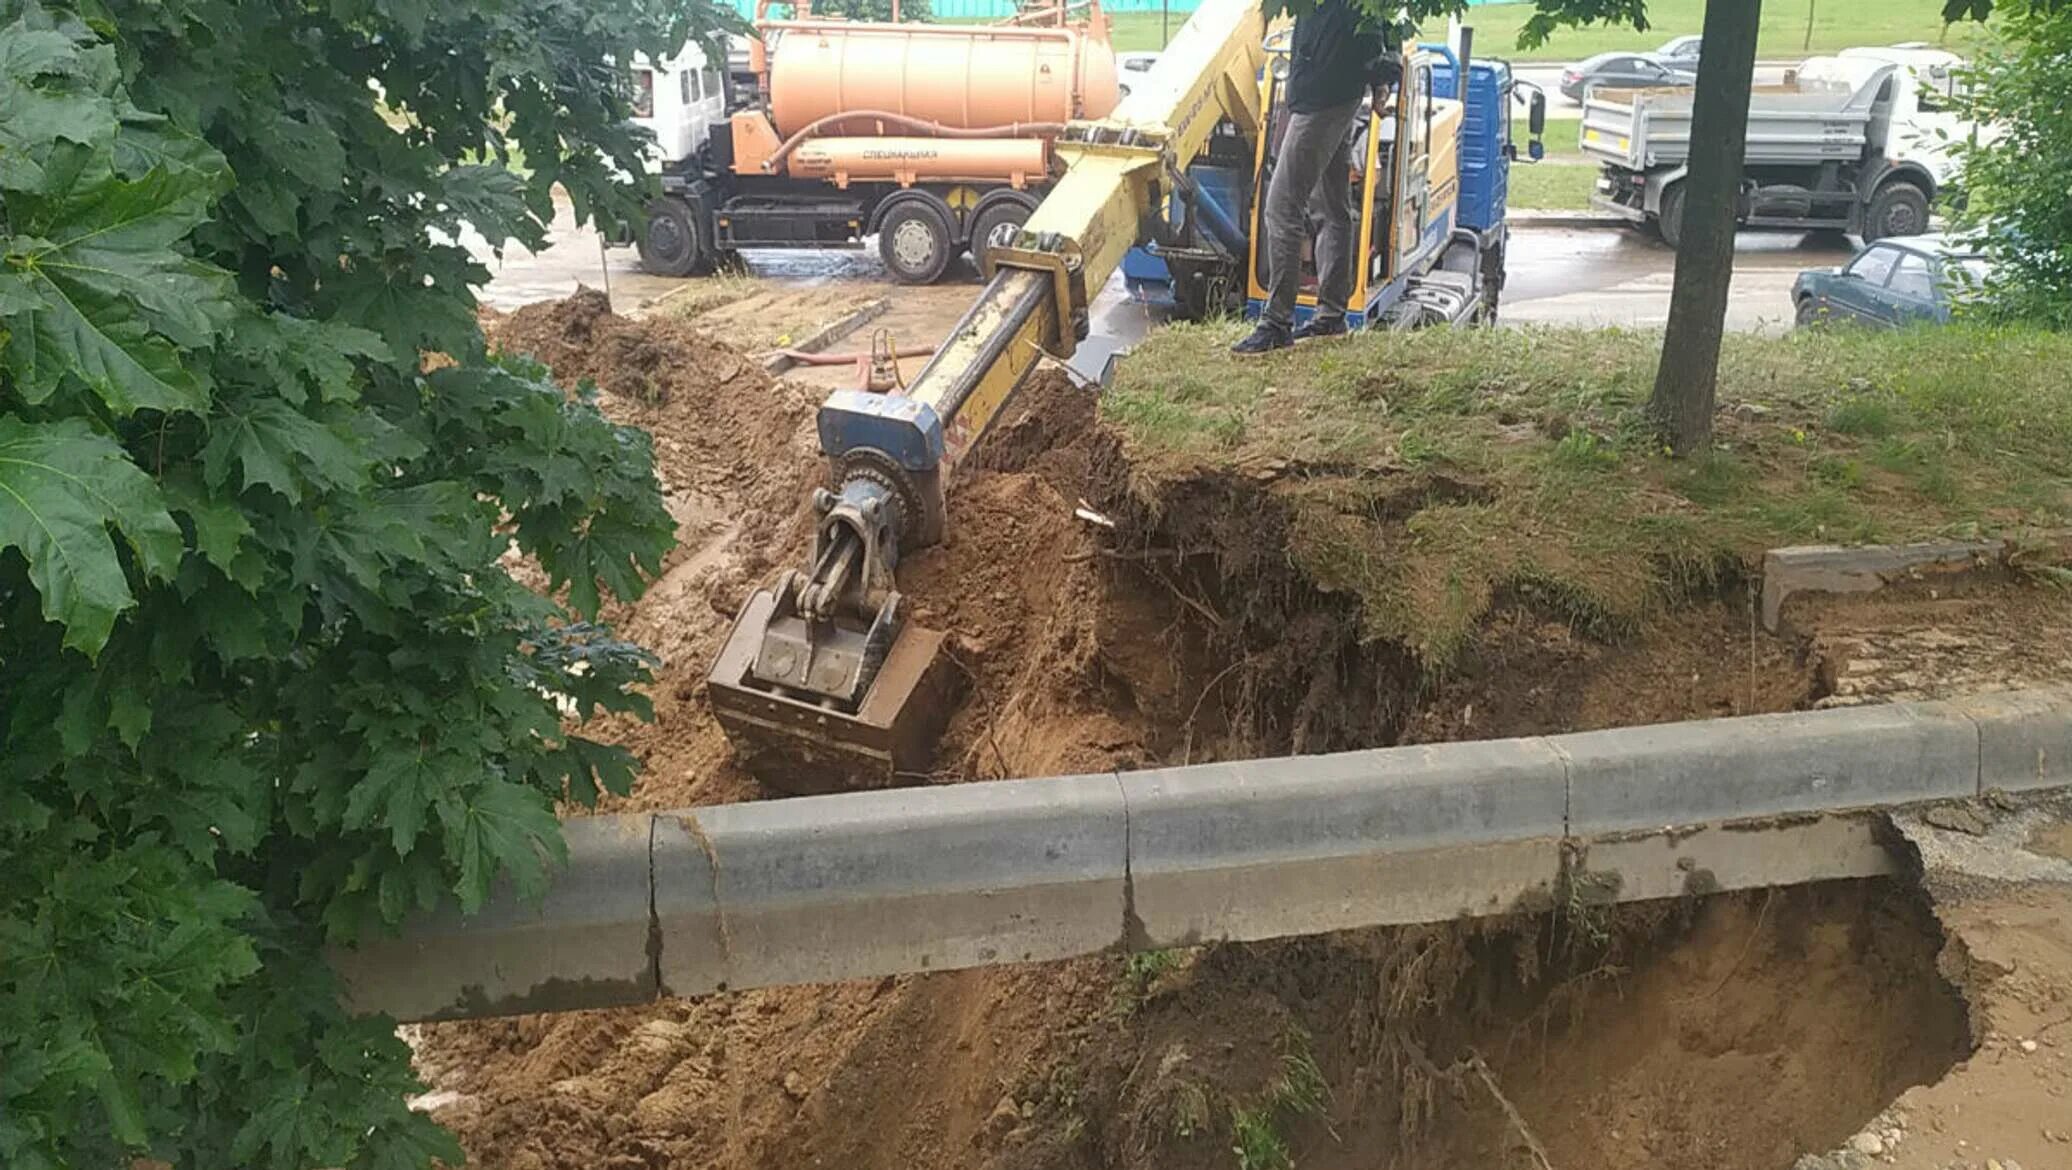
(1825, 568)
(585, 945)
(1697, 773)
(1264, 849)
(690, 940)
(825, 888)
(2025, 738)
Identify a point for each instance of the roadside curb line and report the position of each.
(778, 362)
(868, 884)
(1564, 219)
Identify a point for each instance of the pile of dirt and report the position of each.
(737, 457)
(1173, 627)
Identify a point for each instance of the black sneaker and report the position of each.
(1319, 327)
(1264, 338)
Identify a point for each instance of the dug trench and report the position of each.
(1733, 1031)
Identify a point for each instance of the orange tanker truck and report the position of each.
(934, 138)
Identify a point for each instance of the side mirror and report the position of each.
(1537, 150)
(1536, 119)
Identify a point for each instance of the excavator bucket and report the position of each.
(798, 741)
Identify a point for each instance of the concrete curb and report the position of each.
(1257, 849)
(821, 338)
(585, 945)
(819, 889)
(1829, 568)
(1565, 219)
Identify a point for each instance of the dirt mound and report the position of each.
(737, 457)
(1730, 1034)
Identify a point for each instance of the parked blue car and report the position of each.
(1896, 281)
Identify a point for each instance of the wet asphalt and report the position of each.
(1584, 276)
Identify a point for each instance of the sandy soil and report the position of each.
(1738, 1032)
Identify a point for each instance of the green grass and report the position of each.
(1552, 187)
(1139, 972)
(1298, 1091)
(1837, 24)
(1563, 137)
(1437, 471)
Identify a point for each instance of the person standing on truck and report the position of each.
(1336, 57)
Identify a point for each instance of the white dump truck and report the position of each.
(1856, 142)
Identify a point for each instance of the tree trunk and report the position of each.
(1689, 372)
(1808, 45)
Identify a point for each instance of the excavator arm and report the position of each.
(823, 683)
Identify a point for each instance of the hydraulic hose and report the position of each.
(919, 125)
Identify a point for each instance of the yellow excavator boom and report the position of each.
(822, 683)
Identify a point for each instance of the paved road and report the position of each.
(1571, 276)
(1622, 276)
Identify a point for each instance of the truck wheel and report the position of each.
(1669, 221)
(670, 246)
(914, 240)
(995, 225)
(1898, 209)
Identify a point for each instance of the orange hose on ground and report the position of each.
(850, 358)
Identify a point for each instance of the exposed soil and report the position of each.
(1736, 1032)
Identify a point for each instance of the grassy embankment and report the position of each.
(1434, 472)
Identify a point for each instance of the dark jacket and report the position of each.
(1336, 57)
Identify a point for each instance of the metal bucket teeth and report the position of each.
(797, 745)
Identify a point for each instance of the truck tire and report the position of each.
(914, 240)
(1669, 221)
(1002, 219)
(1898, 209)
(671, 245)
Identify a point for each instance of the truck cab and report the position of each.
(1919, 117)
(678, 101)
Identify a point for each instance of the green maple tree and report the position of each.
(265, 684)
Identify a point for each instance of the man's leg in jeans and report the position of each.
(1333, 205)
(1308, 150)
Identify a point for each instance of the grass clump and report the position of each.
(1140, 971)
(1431, 473)
(1297, 1091)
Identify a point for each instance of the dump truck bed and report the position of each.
(1796, 124)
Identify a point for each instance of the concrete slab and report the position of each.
(1315, 843)
(826, 888)
(1688, 774)
(584, 946)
